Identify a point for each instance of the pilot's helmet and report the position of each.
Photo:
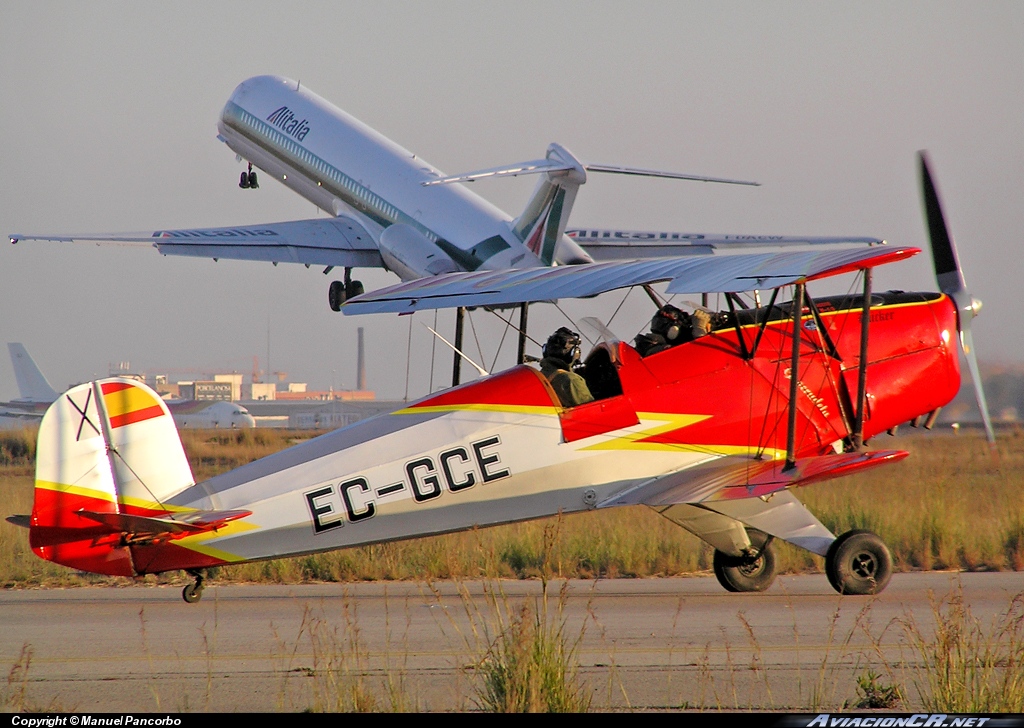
(564, 345)
(670, 322)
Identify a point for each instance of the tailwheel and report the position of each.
(193, 592)
(747, 573)
(858, 562)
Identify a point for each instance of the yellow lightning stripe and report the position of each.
(197, 542)
(523, 409)
(633, 440)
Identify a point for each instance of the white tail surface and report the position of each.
(32, 385)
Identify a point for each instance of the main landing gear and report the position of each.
(339, 292)
(858, 562)
(248, 180)
(193, 592)
(751, 573)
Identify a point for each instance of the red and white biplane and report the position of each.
(716, 434)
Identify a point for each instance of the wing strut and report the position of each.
(794, 376)
(862, 367)
(460, 314)
(523, 315)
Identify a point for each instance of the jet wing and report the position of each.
(702, 274)
(633, 244)
(339, 241)
(734, 477)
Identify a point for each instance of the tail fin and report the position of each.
(105, 448)
(542, 225)
(32, 385)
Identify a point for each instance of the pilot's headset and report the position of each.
(564, 344)
(670, 322)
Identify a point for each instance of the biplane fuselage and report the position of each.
(501, 449)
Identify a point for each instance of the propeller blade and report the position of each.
(951, 282)
(944, 258)
(979, 392)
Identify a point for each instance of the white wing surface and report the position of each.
(713, 274)
(606, 244)
(339, 241)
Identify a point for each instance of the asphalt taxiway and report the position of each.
(643, 643)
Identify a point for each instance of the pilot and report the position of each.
(670, 327)
(561, 352)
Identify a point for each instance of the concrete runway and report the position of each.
(646, 643)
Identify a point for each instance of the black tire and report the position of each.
(254, 183)
(744, 574)
(336, 295)
(243, 181)
(192, 593)
(355, 288)
(858, 562)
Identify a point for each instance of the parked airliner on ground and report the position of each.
(36, 395)
(394, 210)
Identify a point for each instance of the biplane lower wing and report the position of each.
(717, 500)
(705, 274)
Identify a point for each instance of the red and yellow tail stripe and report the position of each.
(127, 404)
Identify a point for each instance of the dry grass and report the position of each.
(950, 505)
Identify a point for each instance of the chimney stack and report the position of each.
(361, 363)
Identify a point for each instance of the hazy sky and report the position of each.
(108, 124)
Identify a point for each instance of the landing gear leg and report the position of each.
(340, 292)
(193, 592)
(751, 573)
(858, 562)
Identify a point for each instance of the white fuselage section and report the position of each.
(344, 167)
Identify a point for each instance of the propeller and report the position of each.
(951, 282)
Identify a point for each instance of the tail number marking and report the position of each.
(457, 469)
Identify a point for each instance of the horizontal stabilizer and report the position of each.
(701, 274)
(176, 525)
(733, 478)
(339, 241)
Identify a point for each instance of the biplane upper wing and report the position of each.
(338, 241)
(702, 274)
(607, 244)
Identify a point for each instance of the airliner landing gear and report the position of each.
(858, 562)
(339, 292)
(747, 573)
(193, 592)
(248, 180)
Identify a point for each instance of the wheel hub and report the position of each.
(864, 565)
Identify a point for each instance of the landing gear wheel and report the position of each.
(353, 289)
(858, 562)
(254, 183)
(193, 592)
(745, 573)
(336, 295)
(243, 181)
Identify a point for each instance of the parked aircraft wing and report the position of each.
(339, 241)
(736, 477)
(704, 274)
(602, 244)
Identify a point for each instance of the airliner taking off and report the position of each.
(394, 210)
